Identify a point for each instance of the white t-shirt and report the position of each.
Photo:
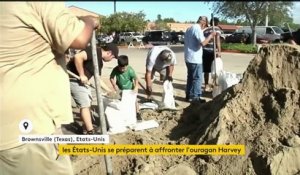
(153, 62)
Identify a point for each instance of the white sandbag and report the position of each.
(225, 80)
(122, 115)
(168, 95)
(230, 79)
(145, 125)
(116, 120)
(114, 103)
(148, 105)
(216, 67)
(128, 106)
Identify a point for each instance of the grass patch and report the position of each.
(243, 48)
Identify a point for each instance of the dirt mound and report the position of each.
(261, 112)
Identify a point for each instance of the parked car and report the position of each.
(181, 37)
(269, 33)
(238, 37)
(286, 36)
(174, 37)
(101, 38)
(127, 37)
(177, 37)
(157, 37)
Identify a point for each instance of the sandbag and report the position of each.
(168, 95)
(225, 80)
(216, 67)
(121, 115)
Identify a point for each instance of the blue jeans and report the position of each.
(194, 81)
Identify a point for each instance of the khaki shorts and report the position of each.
(34, 159)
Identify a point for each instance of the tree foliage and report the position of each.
(161, 24)
(253, 12)
(123, 22)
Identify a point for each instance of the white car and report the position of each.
(128, 37)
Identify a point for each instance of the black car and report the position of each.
(286, 36)
(174, 37)
(177, 37)
(238, 37)
(157, 37)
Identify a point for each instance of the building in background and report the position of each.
(228, 29)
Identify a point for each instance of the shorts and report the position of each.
(208, 58)
(81, 94)
(31, 159)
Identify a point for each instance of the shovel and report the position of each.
(215, 79)
(78, 78)
(110, 95)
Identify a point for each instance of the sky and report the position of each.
(179, 11)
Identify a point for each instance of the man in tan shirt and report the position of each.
(33, 81)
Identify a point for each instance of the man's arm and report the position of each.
(206, 41)
(104, 86)
(136, 84)
(79, 58)
(148, 82)
(218, 44)
(170, 70)
(85, 36)
(113, 81)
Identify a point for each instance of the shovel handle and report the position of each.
(78, 78)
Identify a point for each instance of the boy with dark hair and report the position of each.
(123, 77)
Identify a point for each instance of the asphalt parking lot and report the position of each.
(233, 62)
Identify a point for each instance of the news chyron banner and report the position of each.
(99, 145)
(122, 150)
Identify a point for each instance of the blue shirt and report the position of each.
(192, 44)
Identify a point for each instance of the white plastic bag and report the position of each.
(225, 80)
(168, 95)
(216, 67)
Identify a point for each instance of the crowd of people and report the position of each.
(35, 84)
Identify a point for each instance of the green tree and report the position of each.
(123, 22)
(254, 12)
(161, 24)
(168, 20)
(159, 18)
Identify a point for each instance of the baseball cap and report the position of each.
(113, 48)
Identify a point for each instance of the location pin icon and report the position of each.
(25, 124)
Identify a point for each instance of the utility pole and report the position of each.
(115, 9)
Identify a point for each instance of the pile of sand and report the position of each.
(261, 112)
